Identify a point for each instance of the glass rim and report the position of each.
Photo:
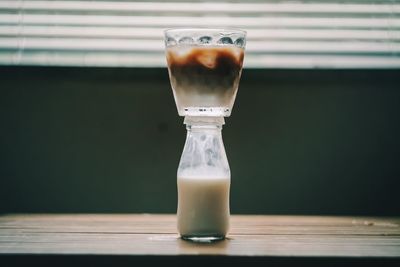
(187, 29)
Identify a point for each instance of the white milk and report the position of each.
(203, 206)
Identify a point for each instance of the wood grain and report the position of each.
(145, 234)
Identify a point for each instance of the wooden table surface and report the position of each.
(125, 239)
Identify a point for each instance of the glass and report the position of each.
(204, 67)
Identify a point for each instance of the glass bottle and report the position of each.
(203, 181)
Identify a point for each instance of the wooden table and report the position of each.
(114, 240)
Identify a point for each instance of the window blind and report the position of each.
(281, 34)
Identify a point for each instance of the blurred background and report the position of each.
(88, 121)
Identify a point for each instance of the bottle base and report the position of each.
(203, 239)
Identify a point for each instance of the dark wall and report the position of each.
(109, 140)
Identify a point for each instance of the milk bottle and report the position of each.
(203, 181)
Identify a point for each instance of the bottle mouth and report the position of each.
(204, 121)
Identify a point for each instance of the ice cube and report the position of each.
(240, 42)
(170, 41)
(205, 40)
(182, 51)
(208, 58)
(186, 40)
(238, 53)
(225, 40)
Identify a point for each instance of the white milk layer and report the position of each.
(203, 206)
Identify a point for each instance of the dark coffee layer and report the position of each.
(205, 70)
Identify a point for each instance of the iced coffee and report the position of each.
(205, 77)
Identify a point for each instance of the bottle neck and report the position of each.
(204, 153)
(204, 123)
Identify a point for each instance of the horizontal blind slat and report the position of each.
(76, 58)
(155, 45)
(181, 21)
(157, 33)
(285, 7)
(281, 34)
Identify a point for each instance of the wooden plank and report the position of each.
(294, 236)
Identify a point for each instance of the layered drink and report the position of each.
(204, 78)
